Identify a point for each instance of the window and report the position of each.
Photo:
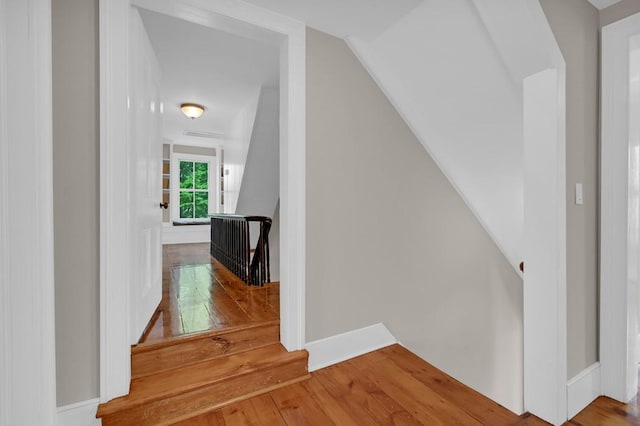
(194, 189)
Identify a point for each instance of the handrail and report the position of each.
(231, 245)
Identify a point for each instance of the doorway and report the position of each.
(243, 20)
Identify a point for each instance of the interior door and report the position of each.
(145, 154)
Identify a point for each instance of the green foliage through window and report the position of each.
(194, 189)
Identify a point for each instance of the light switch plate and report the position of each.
(579, 200)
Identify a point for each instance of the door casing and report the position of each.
(231, 16)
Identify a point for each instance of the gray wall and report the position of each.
(76, 196)
(389, 239)
(618, 11)
(575, 26)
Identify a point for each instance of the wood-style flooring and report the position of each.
(606, 411)
(199, 294)
(390, 386)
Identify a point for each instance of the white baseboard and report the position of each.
(335, 349)
(79, 414)
(186, 234)
(583, 389)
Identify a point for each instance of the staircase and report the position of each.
(190, 375)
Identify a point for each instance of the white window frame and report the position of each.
(214, 192)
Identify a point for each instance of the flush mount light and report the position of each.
(192, 110)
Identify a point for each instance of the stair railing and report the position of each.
(231, 246)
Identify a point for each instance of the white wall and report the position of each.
(260, 188)
(236, 148)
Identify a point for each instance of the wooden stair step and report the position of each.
(178, 394)
(154, 358)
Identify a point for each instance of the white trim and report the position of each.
(185, 234)
(79, 414)
(617, 306)
(114, 294)
(28, 390)
(5, 301)
(545, 300)
(341, 347)
(115, 363)
(174, 185)
(583, 389)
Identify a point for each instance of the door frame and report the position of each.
(27, 299)
(115, 367)
(618, 300)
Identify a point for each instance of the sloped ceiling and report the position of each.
(214, 68)
(343, 18)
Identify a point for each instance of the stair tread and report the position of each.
(146, 347)
(211, 346)
(173, 382)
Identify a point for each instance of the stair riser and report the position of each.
(194, 351)
(190, 404)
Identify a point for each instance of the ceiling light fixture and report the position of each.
(192, 110)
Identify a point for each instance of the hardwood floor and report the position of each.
(390, 386)
(606, 411)
(211, 314)
(199, 294)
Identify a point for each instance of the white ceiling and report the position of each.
(343, 18)
(213, 68)
(601, 4)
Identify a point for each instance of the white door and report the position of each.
(145, 153)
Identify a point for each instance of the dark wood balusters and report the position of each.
(231, 245)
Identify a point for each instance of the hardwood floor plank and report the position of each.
(429, 408)
(297, 407)
(471, 401)
(606, 411)
(267, 410)
(258, 411)
(241, 414)
(366, 393)
(199, 294)
(337, 405)
(212, 418)
(253, 300)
